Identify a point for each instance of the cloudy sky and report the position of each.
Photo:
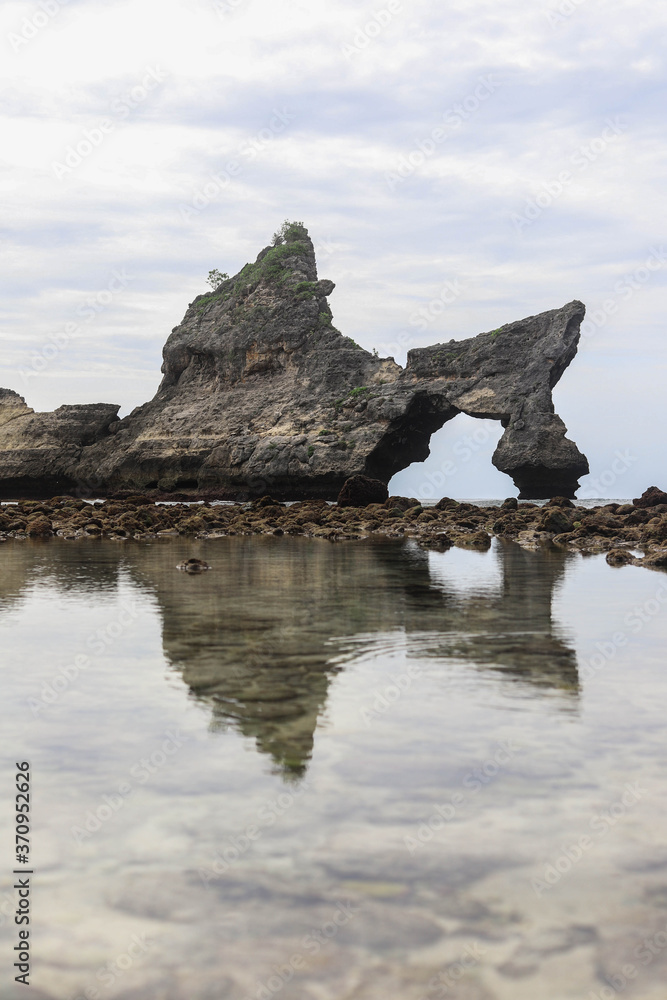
(458, 165)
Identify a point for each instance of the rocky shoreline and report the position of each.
(631, 534)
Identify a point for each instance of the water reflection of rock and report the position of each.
(253, 636)
(66, 566)
(259, 638)
(511, 628)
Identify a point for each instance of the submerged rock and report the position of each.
(619, 557)
(262, 394)
(193, 566)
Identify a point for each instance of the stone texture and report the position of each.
(40, 452)
(359, 491)
(652, 497)
(447, 523)
(554, 520)
(261, 393)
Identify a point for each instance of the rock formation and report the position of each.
(261, 393)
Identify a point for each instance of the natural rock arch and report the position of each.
(505, 375)
(261, 393)
(458, 463)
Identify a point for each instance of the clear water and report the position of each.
(336, 772)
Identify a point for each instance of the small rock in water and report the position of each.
(651, 498)
(656, 560)
(39, 527)
(553, 519)
(193, 566)
(359, 491)
(619, 557)
(559, 502)
(446, 503)
(477, 540)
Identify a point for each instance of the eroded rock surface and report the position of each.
(40, 452)
(262, 393)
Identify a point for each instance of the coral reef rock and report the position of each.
(358, 491)
(630, 535)
(262, 394)
(651, 497)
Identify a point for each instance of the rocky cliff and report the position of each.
(261, 393)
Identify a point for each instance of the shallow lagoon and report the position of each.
(321, 771)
